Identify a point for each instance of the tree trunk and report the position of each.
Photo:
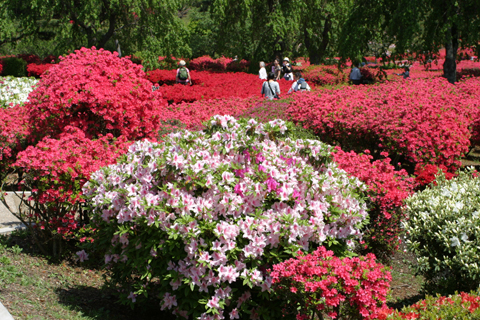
(451, 47)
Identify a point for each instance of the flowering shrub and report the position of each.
(97, 92)
(320, 283)
(202, 215)
(206, 63)
(416, 121)
(387, 190)
(425, 175)
(458, 306)
(55, 171)
(14, 91)
(443, 229)
(36, 70)
(14, 129)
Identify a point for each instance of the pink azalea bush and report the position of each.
(342, 288)
(201, 216)
(97, 92)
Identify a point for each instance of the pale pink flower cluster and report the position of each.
(244, 182)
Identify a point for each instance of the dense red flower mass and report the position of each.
(97, 92)
(60, 167)
(36, 70)
(419, 121)
(320, 281)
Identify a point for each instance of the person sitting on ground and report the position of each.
(406, 73)
(300, 84)
(277, 69)
(287, 70)
(183, 74)
(271, 88)
(355, 75)
(262, 73)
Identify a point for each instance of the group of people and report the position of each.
(271, 88)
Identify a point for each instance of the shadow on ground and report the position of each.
(101, 304)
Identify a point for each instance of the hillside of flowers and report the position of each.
(219, 204)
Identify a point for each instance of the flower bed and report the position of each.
(422, 121)
(209, 85)
(205, 213)
(36, 70)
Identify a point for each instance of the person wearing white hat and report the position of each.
(183, 74)
(287, 69)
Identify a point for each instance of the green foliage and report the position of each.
(461, 306)
(132, 24)
(14, 67)
(444, 231)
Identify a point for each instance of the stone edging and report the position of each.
(4, 314)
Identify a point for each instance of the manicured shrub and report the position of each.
(387, 190)
(97, 92)
(55, 171)
(201, 216)
(443, 232)
(425, 174)
(14, 67)
(321, 284)
(462, 306)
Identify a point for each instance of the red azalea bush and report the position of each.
(387, 189)
(458, 306)
(29, 58)
(14, 129)
(99, 93)
(223, 64)
(417, 121)
(36, 70)
(320, 283)
(55, 171)
(324, 75)
(425, 174)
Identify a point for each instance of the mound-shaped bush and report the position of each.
(97, 92)
(203, 215)
(444, 232)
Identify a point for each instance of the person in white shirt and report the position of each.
(299, 84)
(287, 70)
(356, 75)
(263, 72)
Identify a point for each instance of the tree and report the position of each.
(135, 24)
(266, 29)
(414, 26)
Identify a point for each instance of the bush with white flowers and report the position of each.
(444, 232)
(14, 91)
(202, 216)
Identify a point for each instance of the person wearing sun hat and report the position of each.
(287, 69)
(183, 74)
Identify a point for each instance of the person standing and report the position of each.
(300, 84)
(355, 74)
(262, 73)
(183, 74)
(271, 88)
(277, 69)
(287, 70)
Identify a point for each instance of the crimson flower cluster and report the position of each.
(339, 287)
(222, 64)
(36, 70)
